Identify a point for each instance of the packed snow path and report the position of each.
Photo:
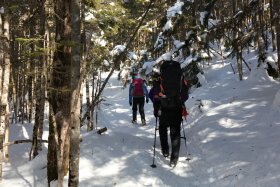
(232, 134)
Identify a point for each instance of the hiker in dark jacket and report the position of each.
(153, 94)
(137, 93)
(172, 117)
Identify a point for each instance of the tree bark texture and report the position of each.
(52, 170)
(40, 89)
(89, 118)
(60, 90)
(4, 104)
(272, 24)
(75, 98)
(276, 5)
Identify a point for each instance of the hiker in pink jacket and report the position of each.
(137, 93)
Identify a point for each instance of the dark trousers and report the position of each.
(156, 106)
(172, 119)
(138, 102)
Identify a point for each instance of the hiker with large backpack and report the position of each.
(137, 93)
(173, 94)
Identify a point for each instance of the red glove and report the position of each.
(184, 112)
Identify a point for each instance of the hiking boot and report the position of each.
(165, 152)
(173, 162)
(143, 122)
(134, 121)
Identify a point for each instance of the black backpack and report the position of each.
(171, 85)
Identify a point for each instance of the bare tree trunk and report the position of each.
(7, 129)
(40, 90)
(236, 46)
(276, 5)
(1, 56)
(52, 164)
(92, 104)
(30, 66)
(20, 80)
(239, 61)
(2, 131)
(52, 169)
(60, 91)
(89, 121)
(260, 33)
(4, 105)
(75, 100)
(272, 24)
(42, 110)
(96, 103)
(15, 71)
(34, 148)
(23, 92)
(15, 99)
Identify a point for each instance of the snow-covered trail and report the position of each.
(123, 155)
(232, 130)
(229, 141)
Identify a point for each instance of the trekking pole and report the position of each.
(185, 139)
(154, 165)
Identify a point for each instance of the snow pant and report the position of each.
(172, 119)
(156, 106)
(138, 102)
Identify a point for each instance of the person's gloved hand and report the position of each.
(130, 103)
(147, 100)
(184, 112)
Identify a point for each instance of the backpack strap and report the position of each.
(161, 89)
(180, 87)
